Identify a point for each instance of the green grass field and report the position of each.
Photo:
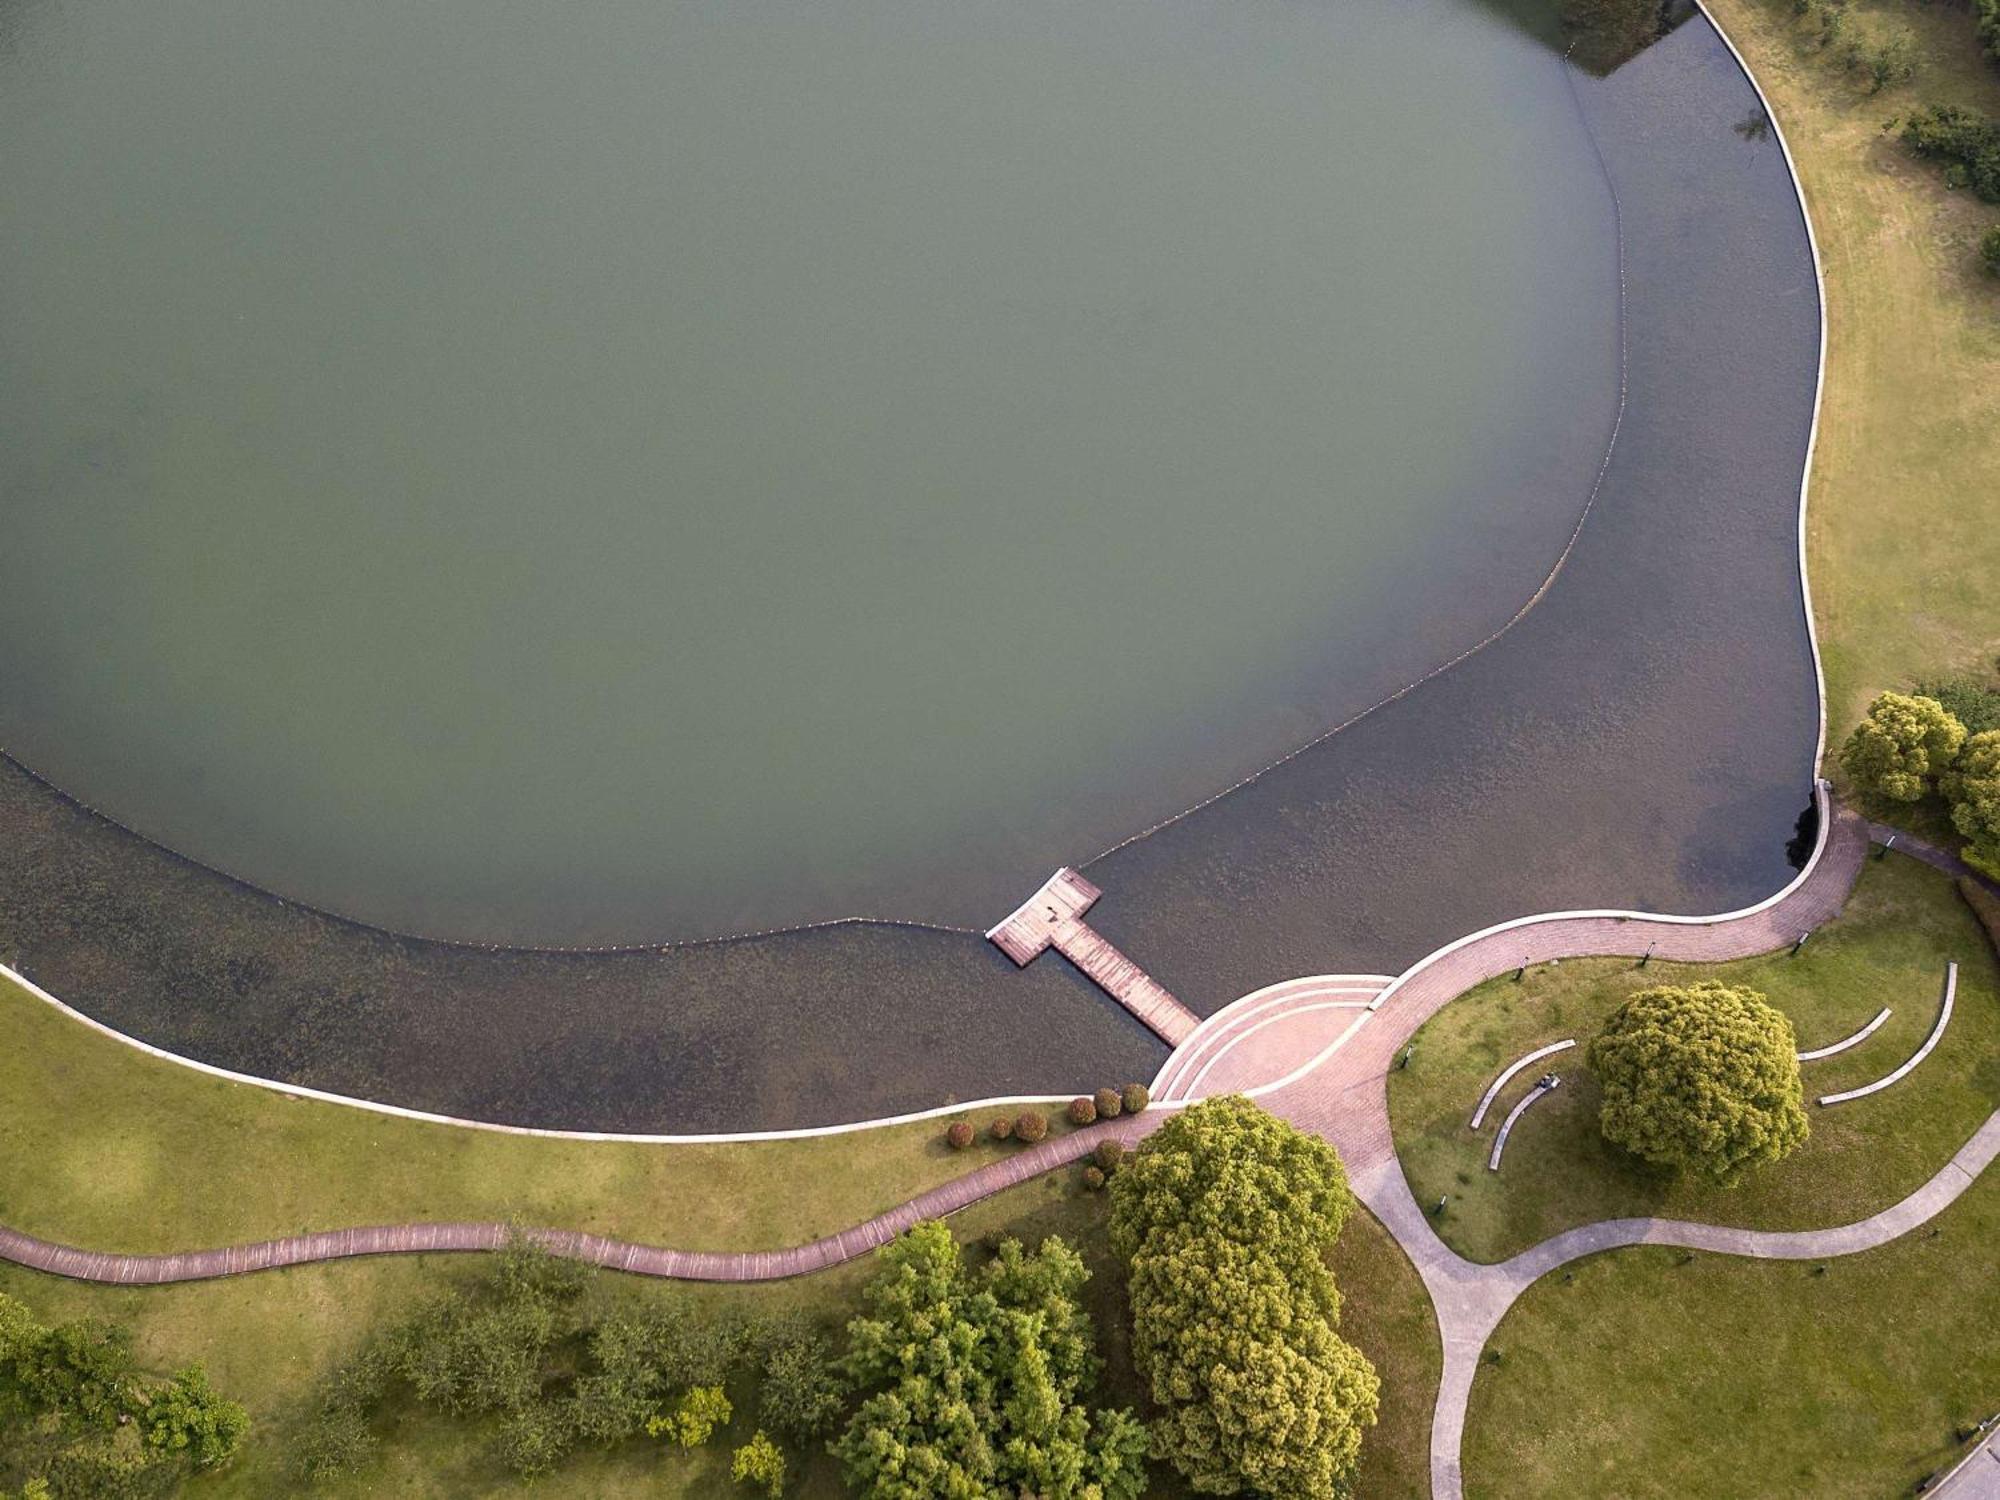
(1648, 1379)
(268, 1338)
(106, 1147)
(1903, 543)
(1888, 948)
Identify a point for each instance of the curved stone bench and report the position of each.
(1850, 1041)
(1937, 1031)
(1540, 1090)
(1486, 1102)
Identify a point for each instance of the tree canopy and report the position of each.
(1901, 748)
(1972, 786)
(974, 1382)
(1224, 1215)
(1702, 1078)
(63, 1393)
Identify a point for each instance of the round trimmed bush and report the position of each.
(1109, 1154)
(1702, 1078)
(1989, 251)
(1093, 1179)
(1002, 1128)
(1082, 1111)
(1109, 1105)
(1135, 1098)
(959, 1135)
(1031, 1125)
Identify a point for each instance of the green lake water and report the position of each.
(625, 471)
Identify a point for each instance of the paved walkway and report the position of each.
(1936, 857)
(1340, 1090)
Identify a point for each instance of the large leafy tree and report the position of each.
(1702, 1079)
(1973, 789)
(975, 1382)
(1225, 1215)
(1902, 747)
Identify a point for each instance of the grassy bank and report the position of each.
(1646, 1378)
(1889, 947)
(1902, 543)
(106, 1147)
(267, 1338)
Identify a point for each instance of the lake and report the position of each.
(636, 471)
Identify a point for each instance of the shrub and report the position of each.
(694, 1417)
(1031, 1125)
(1701, 1079)
(1985, 906)
(1093, 1179)
(1082, 1111)
(1972, 787)
(1899, 750)
(1108, 1155)
(1109, 1105)
(191, 1418)
(1963, 141)
(1002, 1129)
(533, 1439)
(759, 1462)
(1989, 251)
(959, 1135)
(801, 1394)
(1968, 698)
(1135, 1098)
(1224, 1216)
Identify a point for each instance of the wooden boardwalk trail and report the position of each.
(619, 1255)
(1053, 918)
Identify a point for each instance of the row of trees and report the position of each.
(1911, 747)
(78, 1421)
(979, 1382)
(551, 1368)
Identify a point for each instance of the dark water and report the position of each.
(647, 470)
(1643, 738)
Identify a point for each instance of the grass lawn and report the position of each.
(1888, 948)
(267, 1338)
(108, 1148)
(1648, 1378)
(1902, 540)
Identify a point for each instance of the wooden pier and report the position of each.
(1053, 918)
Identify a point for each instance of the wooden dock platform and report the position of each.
(1053, 918)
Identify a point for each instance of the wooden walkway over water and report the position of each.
(1053, 918)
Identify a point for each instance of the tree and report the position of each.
(81, 1371)
(801, 1394)
(190, 1417)
(1224, 1215)
(1973, 789)
(694, 1418)
(1901, 748)
(635, 1362)
(976, 1383)
(1702, 1078)
(759, 1462)
(534, 1438)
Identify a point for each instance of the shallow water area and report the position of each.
(636, 471)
